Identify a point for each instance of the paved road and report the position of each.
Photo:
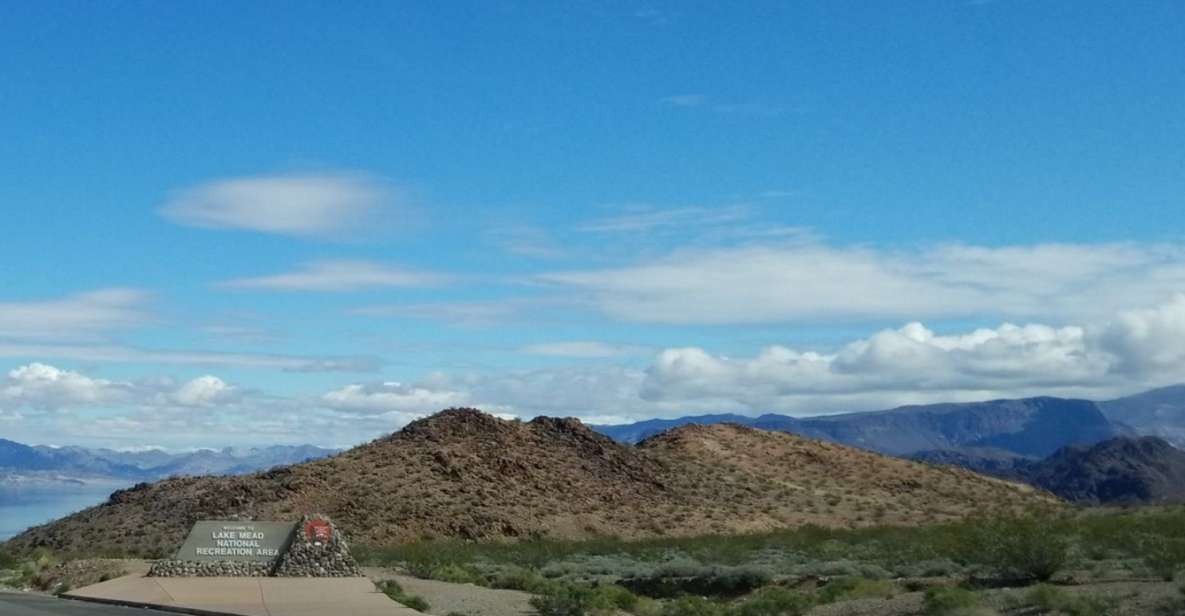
(23, 604)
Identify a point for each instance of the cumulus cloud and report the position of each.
(76, 316)
(295, 204)
(1137, 349)
(45, 387)
(812, 281)
(337, 276)
(205, 391)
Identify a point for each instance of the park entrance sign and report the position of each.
(228, 540)
(309, 547)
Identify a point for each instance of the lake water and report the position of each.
(20, 509)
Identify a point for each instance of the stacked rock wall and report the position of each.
(305, 557)
(225, 568)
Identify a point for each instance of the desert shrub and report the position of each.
(578, 600)
(689, 577)
(1163, 556)
(692, 606)
(455, 573)
(842, 589)
(1019, 547)
(518, 578)
(1049, 598)
(392, 589)
(773, 601)
(8, 561)
(949, 601)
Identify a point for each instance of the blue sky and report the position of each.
(305, 222)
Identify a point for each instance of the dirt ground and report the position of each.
(445, 597)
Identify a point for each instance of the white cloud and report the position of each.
(77, 316)
(300, 205)
(807, 280)
(204, 391)
(581, 349)
(341, 275)
(45, 387)
(393, 397)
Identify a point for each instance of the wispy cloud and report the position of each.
(125, 354)
(649, 218)
(684, 100)
(76, 316)
(468, 313)
(527, 241)
(325, 204)
(807, 280)
(340, 276)
(582, 349)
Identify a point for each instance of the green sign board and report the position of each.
(214, 540)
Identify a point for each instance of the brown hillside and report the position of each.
(462, 473)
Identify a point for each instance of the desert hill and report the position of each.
(465, 474)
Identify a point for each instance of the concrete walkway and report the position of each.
(248, 596)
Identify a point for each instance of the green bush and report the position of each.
(1049, 598)
(392, 589)
(454, 573)
(1163, 556)
(1019, 547)
(949, 601)
(773, 601)
(692, 606)
(847, 588)
(579, 600)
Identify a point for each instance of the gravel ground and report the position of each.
(468, 599)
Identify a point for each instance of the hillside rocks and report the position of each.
(467, 475)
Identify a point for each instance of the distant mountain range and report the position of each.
(1030, 427)
(1117, 451)
(24, 464)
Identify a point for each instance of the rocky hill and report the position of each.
(465, 474)
(1117, 471)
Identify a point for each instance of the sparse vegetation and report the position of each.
(950, 601)
(1051, 599)
(755, 574)
(392, 589)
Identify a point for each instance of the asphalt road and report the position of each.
(23, 604)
